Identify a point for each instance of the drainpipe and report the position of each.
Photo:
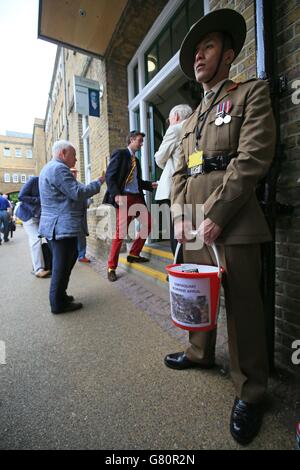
(266, 65)
(65, 93)
(51, 113)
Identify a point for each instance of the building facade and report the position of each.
(141, 81)
(21, 156)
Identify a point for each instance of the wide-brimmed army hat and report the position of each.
(224, 20)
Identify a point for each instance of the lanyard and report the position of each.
(200, 128)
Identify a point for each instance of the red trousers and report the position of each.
(125, 214)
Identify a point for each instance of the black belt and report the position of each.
(216, 163)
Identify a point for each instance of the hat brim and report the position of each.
(224, 20)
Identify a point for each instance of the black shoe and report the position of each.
(245, 421)
(69, 298)
(137, 259)
(5, 241)
(111, 275)
(71, 307)
(180, 361)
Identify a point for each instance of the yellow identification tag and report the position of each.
(195, 159)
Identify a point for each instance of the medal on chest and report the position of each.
(222, 114)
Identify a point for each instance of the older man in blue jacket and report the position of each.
(63, 203)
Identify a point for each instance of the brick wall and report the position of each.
(288, 227)
(245, 65)
(38, 147)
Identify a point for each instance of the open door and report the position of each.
(157, 129)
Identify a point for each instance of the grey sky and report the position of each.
(26, 66)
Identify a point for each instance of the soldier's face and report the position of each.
(207, 56)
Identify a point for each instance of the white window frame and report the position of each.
(28, 153)
(17, 150)
(23, 179)
(6, 152)
(6, 177)
(86, 149)
(15, 178)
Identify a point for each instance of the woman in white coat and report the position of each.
(167, 157)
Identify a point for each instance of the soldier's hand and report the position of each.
(182, 231)
(209, 231)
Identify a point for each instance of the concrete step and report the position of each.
(159, 256)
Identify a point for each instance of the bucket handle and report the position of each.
(214, 248)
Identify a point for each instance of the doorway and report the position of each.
(173, 92)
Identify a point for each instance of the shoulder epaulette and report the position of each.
(251, 80)
(235, 85)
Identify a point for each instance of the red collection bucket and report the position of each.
(195, 294)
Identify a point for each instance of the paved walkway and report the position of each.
(95, 379)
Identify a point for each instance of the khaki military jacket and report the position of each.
(228, 197)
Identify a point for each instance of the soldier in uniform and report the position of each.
(227, 147)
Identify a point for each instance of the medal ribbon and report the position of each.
(228, 106)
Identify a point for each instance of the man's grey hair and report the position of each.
(183, 111)
(60, 145)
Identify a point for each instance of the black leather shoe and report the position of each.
(69, 298)
(71, 307)
(137, 259)
(180, 361)
(111, 275)
(245, 422)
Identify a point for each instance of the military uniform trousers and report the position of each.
(245, 319)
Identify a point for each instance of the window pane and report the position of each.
(136, 80)
(29, 153)
(151, 64)
(195, 11)
(23, 178)
(164, 49)
(137, 121)
(137, 125)
(6, 178)
(15, 178)
(18, 153)
(6, 152)
(179, 29)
